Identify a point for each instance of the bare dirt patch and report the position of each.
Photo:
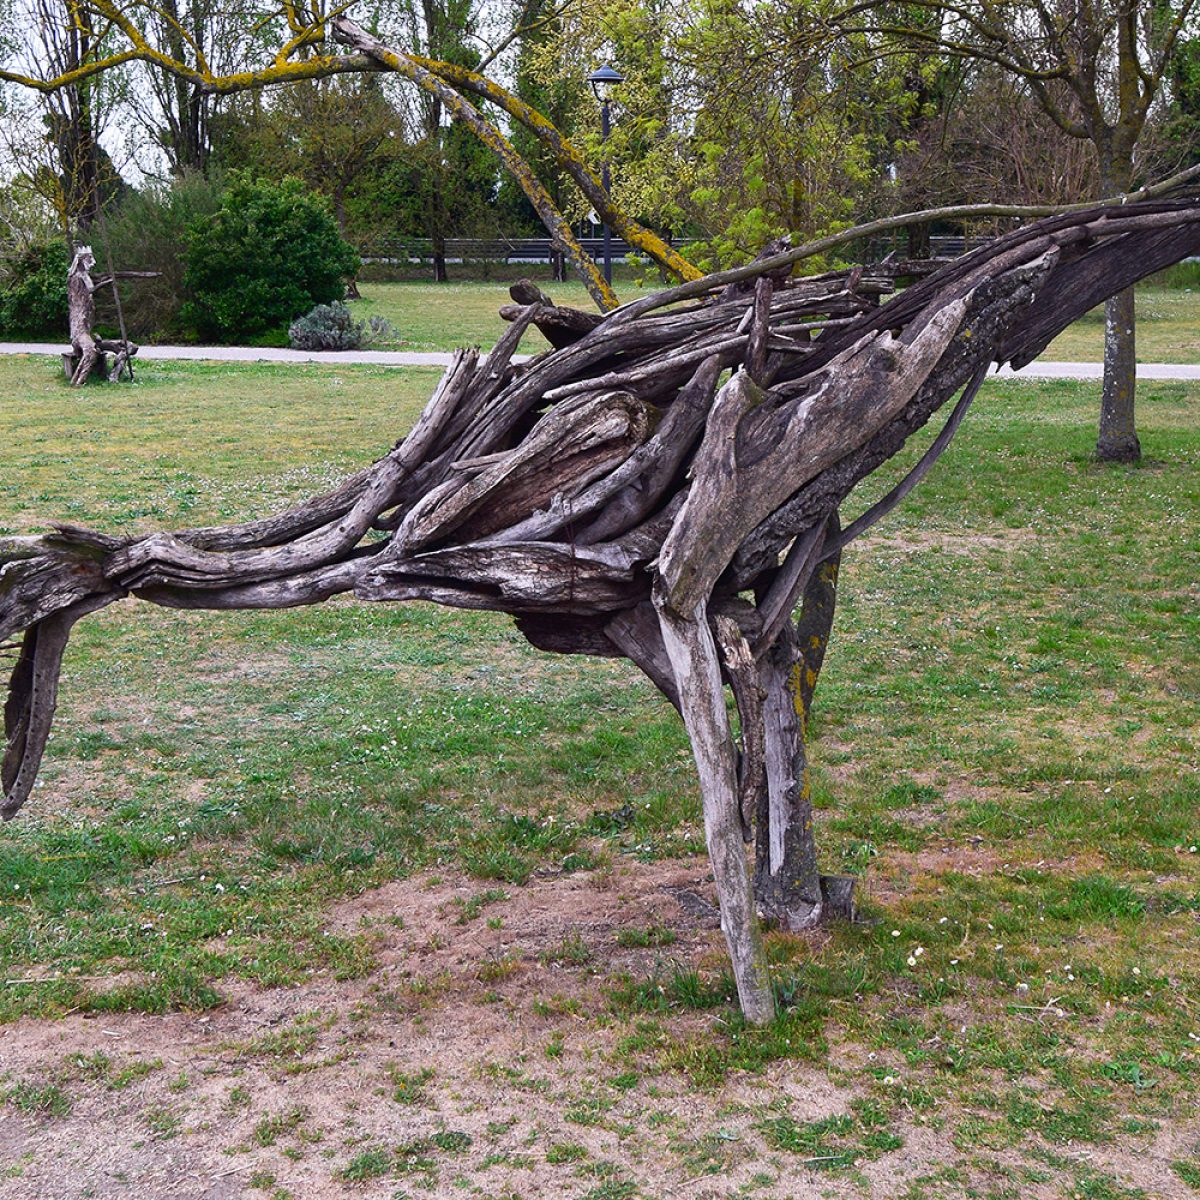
(482, 1057)
(526, 939)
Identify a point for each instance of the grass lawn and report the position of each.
(1168, 330)
(442, 316)
(377, 896)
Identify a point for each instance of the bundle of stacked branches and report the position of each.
(663, 485)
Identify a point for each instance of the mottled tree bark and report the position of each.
(1118, 439)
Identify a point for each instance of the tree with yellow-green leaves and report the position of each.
(740, 125)
(315, 43)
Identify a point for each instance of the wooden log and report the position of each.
(575, 635)
(571, 446)
(628, 494)
(756, 455)
(779, 599)
(815, 622)
(636, 632)
(559, 325)
(694, 662)
(666, 455)
(530, 577)
(35, 586)
(760, 332)
(990, 309)
(32, 699)
(737, 661)
(787, 881)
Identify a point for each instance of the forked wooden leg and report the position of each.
(693, 655)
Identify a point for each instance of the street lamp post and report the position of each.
(602, 80)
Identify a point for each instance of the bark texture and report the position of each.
(663, 485)
(1118, 439)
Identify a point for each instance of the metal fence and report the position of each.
(402, 251)
(393, 251)
(503, 250)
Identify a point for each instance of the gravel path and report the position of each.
(411, 358)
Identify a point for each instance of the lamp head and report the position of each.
(603, 80)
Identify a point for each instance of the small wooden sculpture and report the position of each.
(88, 354)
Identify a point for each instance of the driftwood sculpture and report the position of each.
(89, 354)
(663, 485)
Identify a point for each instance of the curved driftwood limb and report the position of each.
(33, 697)
(755, 453)
(737, 661)
(815, 622)
(888, 503)
(637, 635)
(617, 498)
(662, 460)
(34, 586)
(994, 304)
(779, 601)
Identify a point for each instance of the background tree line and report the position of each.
(735, 125)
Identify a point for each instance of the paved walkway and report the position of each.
(386, 358)
(1075, 370)
(411, 358)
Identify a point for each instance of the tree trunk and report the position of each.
(1118, 439)
(440, 274)
(918, 240)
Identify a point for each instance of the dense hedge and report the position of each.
(33, 291)
(266, 256)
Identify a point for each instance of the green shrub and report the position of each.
(33, 291)
(333, 327)
(268, 254)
